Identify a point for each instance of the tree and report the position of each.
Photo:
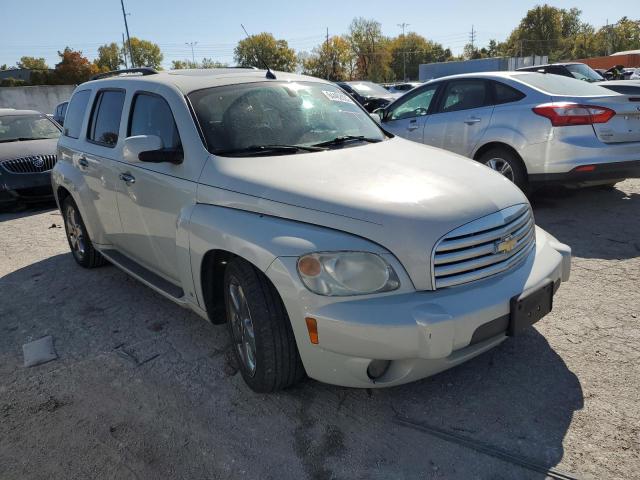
(146, 53)
(210, 63)
(330, 60)
(370, 49)
(206, 63)
(263, 49)
(33, 63)
(414, 49)
(74, 68)
(109, 57)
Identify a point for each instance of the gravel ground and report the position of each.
(144, 389)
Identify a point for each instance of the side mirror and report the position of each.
(149, 148)
(378, 114)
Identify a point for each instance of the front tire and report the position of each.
(263, 341)
(79, 241)
(506, 163)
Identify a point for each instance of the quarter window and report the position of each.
(105, 118)
(464, 95)
(77, 108)
(506, 94)
(151, 115)
(415, 106)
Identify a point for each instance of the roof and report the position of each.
(507, 74)
(189, 80)
(13, 111)
(626, 52)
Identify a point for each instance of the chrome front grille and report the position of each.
(484, 247)
(33, 164)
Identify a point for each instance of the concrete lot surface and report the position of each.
(143, 389)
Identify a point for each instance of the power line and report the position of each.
(404, 55)
(126, 27)
(193, 55)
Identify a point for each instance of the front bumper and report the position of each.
(25, 187)
(422, 333)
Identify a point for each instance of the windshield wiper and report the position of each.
(23, 139)
(269, 149)
(346, 138)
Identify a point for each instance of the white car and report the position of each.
(276, 204)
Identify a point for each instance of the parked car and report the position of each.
(368, 94)
(576, 70)
(59, 112)
(531, 127)
(27, 155)
(626, 87)
(278, 205)
(402, 88)
(635, 74)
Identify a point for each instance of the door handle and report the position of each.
(413, 125)
(128, 178)
(472, 120)
(83, 162)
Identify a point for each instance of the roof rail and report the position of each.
(114, 73)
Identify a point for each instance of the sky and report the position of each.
(40, 28)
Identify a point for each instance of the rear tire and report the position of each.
(508, 164)
(79, 241)
(263, 341)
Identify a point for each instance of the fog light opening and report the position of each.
(377, 368)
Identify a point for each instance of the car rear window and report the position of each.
(559, 85)
(75, 113)
(105, 118)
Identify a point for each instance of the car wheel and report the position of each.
(263, 341)
(506, 163)
(79, 241)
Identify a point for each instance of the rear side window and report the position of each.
(506, 94)
(105, 117)
(151, 115)
(75, 113)
(464, 95)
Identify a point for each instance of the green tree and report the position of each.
(109, 57)
(545, 30)
(33, 63)
(183, 64)
(74, 68)
(414, 49)
(146, 53)
(210, 63)
(331, 60)
(371, 50)
(263, 49)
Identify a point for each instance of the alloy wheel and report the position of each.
(502, 167)
(74, 232)
(242, 327)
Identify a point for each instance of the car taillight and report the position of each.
(563, 114)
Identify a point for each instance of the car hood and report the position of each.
(401, 195)
(27, 148)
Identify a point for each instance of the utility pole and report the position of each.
(328, 55)
(124, 50)
(126, 27)
(193, 55)
(403, 25)
(472, 38)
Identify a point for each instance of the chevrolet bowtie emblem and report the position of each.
(505, 244)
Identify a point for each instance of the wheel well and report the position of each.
(61, 194)
(212, 270)
(485, 148)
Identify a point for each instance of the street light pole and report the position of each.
(193, 55)
(404, 51)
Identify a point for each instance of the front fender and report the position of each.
(260, 239)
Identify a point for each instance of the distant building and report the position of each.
(429, 71)
(630, 58)
(18, 74)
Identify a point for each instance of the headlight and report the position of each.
(346, 273)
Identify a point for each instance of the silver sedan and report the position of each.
(531, 127)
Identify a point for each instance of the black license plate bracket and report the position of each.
(528, 309)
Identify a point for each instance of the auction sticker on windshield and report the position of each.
(337, 96)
